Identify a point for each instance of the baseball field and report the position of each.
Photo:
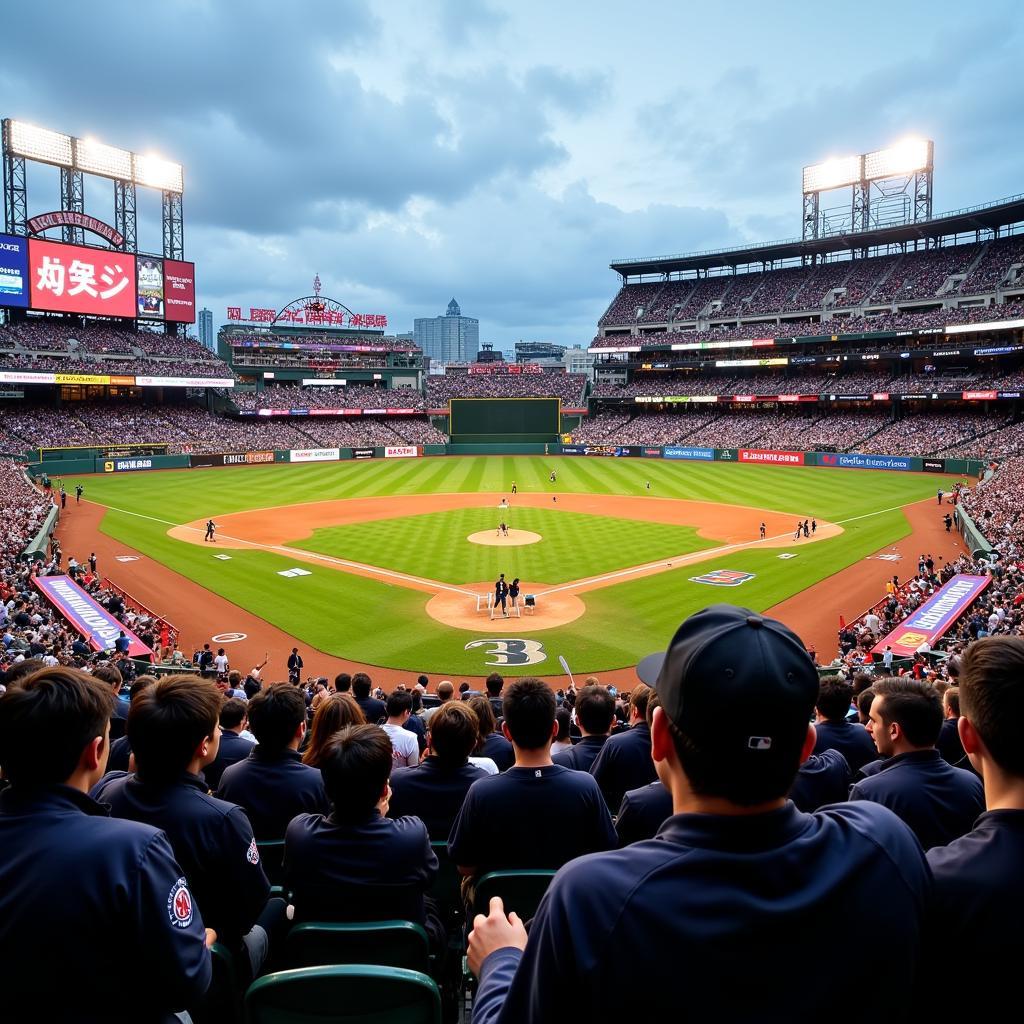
(389, 562)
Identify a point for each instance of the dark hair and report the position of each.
(834, 695)
(168, 721)
(914, 706)
(423, 681)
(275, 713)
(108, 674)
(454, 731)
(864, 701)
(21, 670)
(356, 765)
(464, 689)
(638, 701)
(232, 714)
(992, 697)
(141, 682)
(234, 678)
(529, 712)
(861, 681)
(563, 716)
(335, 713)
(595, 709)
(398, 703)
(361, 685)
(342, 682)
(494, 683)
(47, 719)
(481, 708)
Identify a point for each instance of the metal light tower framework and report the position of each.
(15, 190)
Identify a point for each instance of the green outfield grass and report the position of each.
(372, 621)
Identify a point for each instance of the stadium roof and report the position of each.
(987, 217)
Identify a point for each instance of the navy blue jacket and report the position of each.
(433, 793)
(374, 710)
(78, 891)
(119, 719)
(939, 802)
(852, 740)
(643, 811)
(530, 818)
(272, 787)
(582, 755)
(977, 909)
(822, 779)
(376, 869)
(624, 763)
(499, 750)
(723, 907)
(949, 745)
(120, 755)
(211, 839)
(233, 748)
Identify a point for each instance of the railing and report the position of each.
(136, 605)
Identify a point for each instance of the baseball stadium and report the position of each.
(824, 432)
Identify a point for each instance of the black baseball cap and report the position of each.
(739, 684)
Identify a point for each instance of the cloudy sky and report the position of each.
(503, 152)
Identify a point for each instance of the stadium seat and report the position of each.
(272, 858)
(223, 1001)
(520, 891)
(446, 888)
(383, 943)
(353, 994)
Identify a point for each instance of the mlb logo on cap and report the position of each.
(723, 578)
(759, 743)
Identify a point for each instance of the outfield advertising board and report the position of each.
(771, 456)
(933, 465)
(402, 451)
(854, 460)
(363, 453)
(674, 451)
(230, 459)
(933, 619)
(314, 455)
(126, 465)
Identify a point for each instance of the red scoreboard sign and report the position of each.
(76, 279)
(180, 291)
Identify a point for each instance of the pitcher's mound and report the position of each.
(514, 538)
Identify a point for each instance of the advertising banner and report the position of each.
(772, 457)
(80, 378)
(727, 454)
(92, 620)
(572, 449)
(933, 465)
(185, 382)
(230, 459)
(14, 289)
(363, 453)
(126, 465)
(180, 291)
(74, 279)
(151, 288)
(651, 453)
(314, 455)
(402, 451)
(855, 461)
(934, 618)
(980, 396)
(674, 451)
(26, 377)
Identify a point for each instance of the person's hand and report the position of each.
(493, 932)
(211, 937)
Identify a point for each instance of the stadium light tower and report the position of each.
(888, 186)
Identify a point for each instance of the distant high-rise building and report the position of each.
(543, 352)
(206, 328)
(452, 338)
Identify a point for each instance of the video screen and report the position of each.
(13, 271)
(77, 279)
(151, 288)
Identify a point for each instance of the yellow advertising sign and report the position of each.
(80, 378)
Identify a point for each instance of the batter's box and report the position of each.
(295, 572)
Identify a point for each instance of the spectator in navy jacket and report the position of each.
(272, 784)
(834, 731)
(625, 760)
(373, 710)
(490, 743)
(595, 712)
(949, 743)
(234, 747)
(978, 904)
(939, 802)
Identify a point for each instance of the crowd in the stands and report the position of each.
(354, 396)
(569, 387)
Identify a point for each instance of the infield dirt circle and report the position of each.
(511, 539)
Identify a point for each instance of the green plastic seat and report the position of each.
(520, 891)
(353, 994)
(222, 1003)
(272, 859)
(384, 943)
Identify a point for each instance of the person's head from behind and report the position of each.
(445, 691)
(235, 679)
(736, 691)
(454, 733)
(173, 727)
(905, 715)
(232, 714)
(55, 729)
(337, 712)
(992, 705)
(563, 720)
(464, 691)
(864, 700)
(529, 712)
(399, 707)
(834, 696)
(494, 684)
(481, 708)
(951, 702)
(595, 711)
(342, 682)
(277, 717)
(356, 765)
(638, 697)
(361, 685)
(110, 675)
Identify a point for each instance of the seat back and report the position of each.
(520, 891)
(354, 994)
(272, 859)
(385, 943)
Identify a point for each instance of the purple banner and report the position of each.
(935, 616)
(92, 620)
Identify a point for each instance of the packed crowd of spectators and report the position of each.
(269, 339)
(354, 396)
(997, 507)
(372, 430)
(569, 387)
(929, 433)
(878, 279)
(114, 365)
